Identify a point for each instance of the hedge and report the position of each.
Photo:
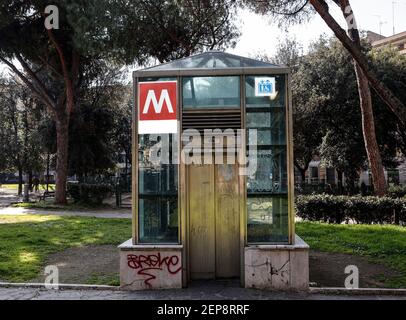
(89, 193)
(360, 209)
(397, 191)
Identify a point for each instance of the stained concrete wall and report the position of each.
(145, 267)
(278, 267)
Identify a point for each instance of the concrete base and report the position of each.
(278, 267)
(150, 266)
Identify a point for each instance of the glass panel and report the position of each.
(271, 126)
(212, 60)
(157, 185)
(157, 191)
(271, 173)
(267, 219)
(253, 101)
(211, 92)
(258, 120)
(151, 79)
(267, 199)
(159, 219)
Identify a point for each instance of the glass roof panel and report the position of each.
(212, 60)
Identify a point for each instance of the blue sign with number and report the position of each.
(265, 86)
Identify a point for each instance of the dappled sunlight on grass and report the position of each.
(27, 240)
(28, 257)
(4, 219)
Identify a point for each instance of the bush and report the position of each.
(89, 193)
(336, 209)
(397, 191)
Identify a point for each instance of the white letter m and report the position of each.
(158, 105)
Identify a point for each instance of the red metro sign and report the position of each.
(157, 107)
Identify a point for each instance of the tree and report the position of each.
(20, 147)
(299, 10)
(55, 62)
(122, 131)
(325, 92)
(307, 135)
(391, 68)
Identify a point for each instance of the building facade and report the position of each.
(397, 41)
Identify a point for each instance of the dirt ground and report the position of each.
(85, 265)
(327, 270)
(100, 264)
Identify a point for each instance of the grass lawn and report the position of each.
(385, 244)
(26, 241)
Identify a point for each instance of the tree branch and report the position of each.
(393, 103)
(34, 77)
(66, 75)
(29, 84)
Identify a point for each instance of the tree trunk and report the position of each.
(47, 177)
(20, 180)
(62, 140)
(368, 130)
(368, 124)
(394, 103)
(29, 173)
(302, 170)
(340, 181)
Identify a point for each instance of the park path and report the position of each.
(105, 213)
(8, 197)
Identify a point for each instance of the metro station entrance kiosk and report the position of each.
(212, 183)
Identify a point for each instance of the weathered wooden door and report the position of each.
(213, 221)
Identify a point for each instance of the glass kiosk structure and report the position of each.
(201, 211)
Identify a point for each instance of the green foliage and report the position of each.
(174, 29)
(325, 90)
(383, 244)
(27, 240)
(327, 117)
(391, 68)
(123, 31)
(397, 191)
(89, 193)
(100, 126)
(337, 209)
(20, 118)
(59, 63)
(286, 13)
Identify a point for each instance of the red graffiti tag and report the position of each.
(144, 263)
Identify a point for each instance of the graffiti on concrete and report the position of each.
(145, 264)
(278, 271)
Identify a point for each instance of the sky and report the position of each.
(260, 35)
